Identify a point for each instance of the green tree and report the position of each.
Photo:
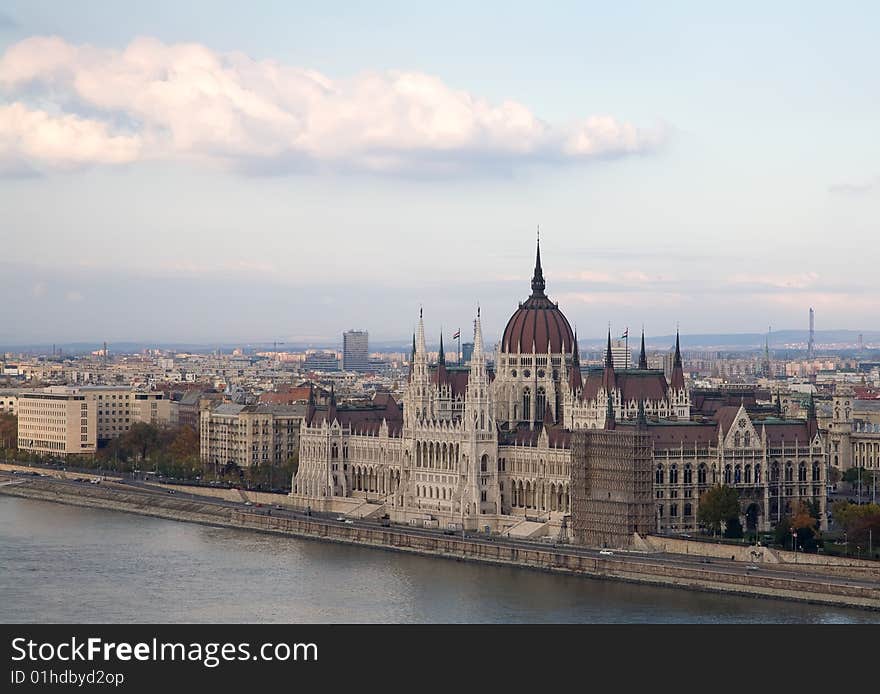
(854, 474)
(718, 506)
(733, 529)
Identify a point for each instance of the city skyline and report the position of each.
(174, 217)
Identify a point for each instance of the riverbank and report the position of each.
(646, 569)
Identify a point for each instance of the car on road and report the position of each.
(752, 567)
(349, 521)
(340, 518)
(248, 503)
(606, 552)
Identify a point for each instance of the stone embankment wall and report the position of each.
(781, 559)
(621, 567)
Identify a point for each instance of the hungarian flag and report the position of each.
(625, 334)
(457, 334)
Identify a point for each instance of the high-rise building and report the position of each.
(467, 351)
(355, 350)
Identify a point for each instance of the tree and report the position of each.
(733, 529)
(833, 475)
(718, 506)
(8, 431)
(803, 524)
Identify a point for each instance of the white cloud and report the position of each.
(32, 137)
(859, 188)
(797, 281)
(187, 101)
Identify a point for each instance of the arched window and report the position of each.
(737, 474)
(688, 474)
(484, 463)
(658, 476)
(789, 472)
(774, 472)
(802, 472)
(816, 472)
(526, 403)
(758, 474)
(673, 474)
(747, 439)
(736, 440)
(701, 474)
(748, 477)
(727, 474)
(540, 404)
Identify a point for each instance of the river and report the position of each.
(75, 565)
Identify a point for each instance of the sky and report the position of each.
(227, 171)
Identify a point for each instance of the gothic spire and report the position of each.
(609, 379)
(643, 357)
(538, 278)
(609, 414)
(641, 418)
(677, 368)
(420, 342)
(441, 357)
(478, 338)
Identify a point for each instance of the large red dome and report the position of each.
(538, 326)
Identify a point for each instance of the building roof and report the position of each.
(634, 384)
(361, 419)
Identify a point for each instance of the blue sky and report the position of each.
(343, 163)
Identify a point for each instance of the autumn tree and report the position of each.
(718, 505)
(8, 431)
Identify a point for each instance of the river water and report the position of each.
(69, 564)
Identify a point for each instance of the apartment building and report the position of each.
(250, 434)
(57, 420)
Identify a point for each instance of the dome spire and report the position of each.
(538, 283)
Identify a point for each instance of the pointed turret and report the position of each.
(643, 357)
(778, 404)
(538, 283)
(331, 411)
(641, 417)
(412, 357)
(478, 339)
(575, 380)
(441, 357)
(812, 422)
(420, 343)
(609, 380)
(609, 415)
(677, 381)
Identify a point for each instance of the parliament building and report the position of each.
(479, 448)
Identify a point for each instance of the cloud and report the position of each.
(185, 101)
(67, 141)
(856, 188)
(73, 297)
(803, 280)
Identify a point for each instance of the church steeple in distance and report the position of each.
(441, 357)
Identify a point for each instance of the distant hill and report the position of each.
(732, 341)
